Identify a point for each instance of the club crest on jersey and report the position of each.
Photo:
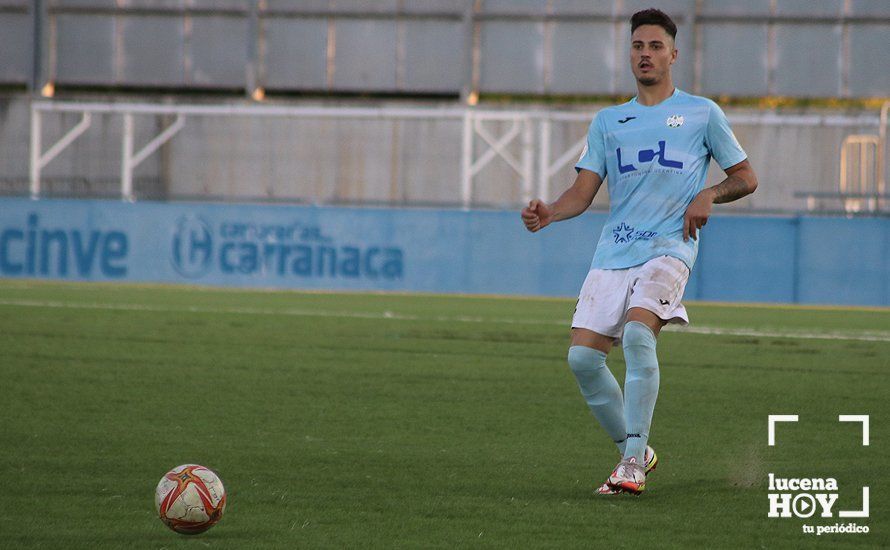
(675, 121)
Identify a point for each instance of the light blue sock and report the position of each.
(600, 390)
(640, 386)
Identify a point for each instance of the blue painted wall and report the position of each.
(753, 259)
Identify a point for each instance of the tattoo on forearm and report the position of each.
(730, 189)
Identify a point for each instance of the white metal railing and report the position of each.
(862, 183)
(859, 184)
(129, 160)
(882, 152)
(476, 131)
(39, 159)
(537, 162)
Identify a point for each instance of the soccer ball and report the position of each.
(190, 499)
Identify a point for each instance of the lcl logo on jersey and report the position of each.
(648, 155)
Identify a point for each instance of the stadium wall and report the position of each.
(440, 47)
(742, 258)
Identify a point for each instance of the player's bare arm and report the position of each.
(575, 200)
(740, 181)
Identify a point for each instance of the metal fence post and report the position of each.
(544, 158)
(252, 81)
(528, 159)
(36, 145)
(466, 160)
(126, 159)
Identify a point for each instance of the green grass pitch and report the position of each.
(361, 420)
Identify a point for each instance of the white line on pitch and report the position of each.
(866, 336)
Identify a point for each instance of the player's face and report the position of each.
(651, 54)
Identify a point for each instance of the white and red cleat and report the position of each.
(608, 488)
(628, 477)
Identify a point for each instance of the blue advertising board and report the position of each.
(742, 258)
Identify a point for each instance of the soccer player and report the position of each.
(654, 150)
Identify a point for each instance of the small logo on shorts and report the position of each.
(663, 302)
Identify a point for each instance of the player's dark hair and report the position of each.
(653, 16)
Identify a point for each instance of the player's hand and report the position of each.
(697, 214)
(537, 215)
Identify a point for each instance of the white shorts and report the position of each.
(607, 294)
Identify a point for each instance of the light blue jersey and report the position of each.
(656, 159)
